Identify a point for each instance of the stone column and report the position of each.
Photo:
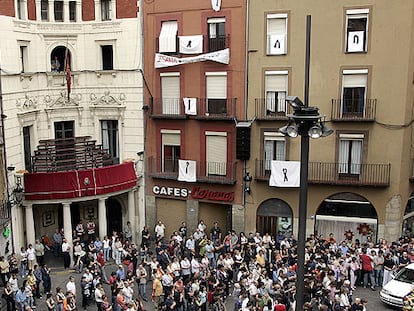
(16, 227)
(38, 11)
(51, 11)
(67, 227)
(30, 229)
(97, 10)
(192, 207)
(131, 213)
(237, 217)
(66, 11)
(103, 226)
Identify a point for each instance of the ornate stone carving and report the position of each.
(107, 99)
(27, 103)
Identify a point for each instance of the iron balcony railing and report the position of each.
(207, 172)
(376, 175)
(218, 43)
(167, 107)
(353, 110)
(216, 108)
(271, 109)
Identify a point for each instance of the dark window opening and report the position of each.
(65, 144)
(44, 7)
(217, 105)
(106, 10)
(353, 100)
(57, 58)
(171, 157)
(27, 148)
(107, 57)
(58, 5)
(358, 25)
(217, 36)
(110, 139)
(72, 11)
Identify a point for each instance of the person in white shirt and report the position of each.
(195, 266)
(190, 245)
(128, 292)
(31, 256)
(159, 231)
(66, 255)
(71, 286)
(106, 247)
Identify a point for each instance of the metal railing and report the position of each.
(218, 43)
(266, 108)
(353, 110)
(377, 175)
(208, 172)
(216, 108)
(172, 107)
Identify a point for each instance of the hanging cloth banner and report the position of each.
(190, 106)
(285, 174)
(162, 61)
(187, 171)
(216, 4)
(191, 44)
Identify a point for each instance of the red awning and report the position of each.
(75, 184)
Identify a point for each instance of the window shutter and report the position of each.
(216, 154)
(170, 90)
(354, 80)
(216, 86)
(276, 82)
(169, 139)
(168, 37)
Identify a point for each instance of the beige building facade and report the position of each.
(361, 78)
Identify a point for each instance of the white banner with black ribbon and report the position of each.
(187, 171)
(285, 174)
(190, 106)
(191, 44)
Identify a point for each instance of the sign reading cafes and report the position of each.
(196, 193)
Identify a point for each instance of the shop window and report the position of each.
(350, 154)
(167, 41)
(276, 34)
(216, 153)
(216, 87)
(276, 90)
(216, 34)
(44, 7)
(110, 140)
(107, 57)
(274, 148)
(356, 30)
(354, 89)
(170, 93)
(171, 150)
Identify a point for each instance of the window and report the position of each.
(350, 154)
(356, 30)
(276, 34)
(171, 150)
(110, 138)
(216, 34)
(216, 153)
(58, 5)
(276, 89)
(107, 57)
(72, 11)
(106, 10)
(170, 91)
(27, 148)
(216, 87)
(44, 8)
(65, 145)
(354, 86)
(21, 9)
(23, 58)
(167, 42)
(274, 149)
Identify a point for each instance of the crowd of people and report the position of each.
(202, 270)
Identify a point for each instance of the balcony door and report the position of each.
(171, 150)
(354, 92)
(216, 87)
(170, 91)
(350, 154)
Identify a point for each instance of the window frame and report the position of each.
(217, 39)
(111, 132)
(283, 35)
(107, 56)
(44, 10)
(357, 106)
(218, 102)
(273, 107)
(170, 105)
(356, 14)
(106, 10)
(58, 8)
(72, 11)
(168, 37)
(276, 137)
(216, 168)
(175, 146)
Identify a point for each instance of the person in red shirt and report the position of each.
(279, 306)
(367, 268)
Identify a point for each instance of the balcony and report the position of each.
(207, 172)
(270, 109)
(353, 110)
(325, 173)
(167, 108)
(218, 43)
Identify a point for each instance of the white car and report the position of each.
(394, 291)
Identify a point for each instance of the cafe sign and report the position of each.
(196, 193)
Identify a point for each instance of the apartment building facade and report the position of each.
(195, 70)
(72, 93)
(361, 78)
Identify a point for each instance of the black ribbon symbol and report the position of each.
(189, 44)
(186, 169)
(285, 178)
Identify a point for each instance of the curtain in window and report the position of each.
(343, 156)
(105, 135)
(356, 156)
(274, 149)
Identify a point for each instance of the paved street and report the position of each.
(59, 278)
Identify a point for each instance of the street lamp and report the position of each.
(305, 122)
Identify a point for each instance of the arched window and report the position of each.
(274, 215)
(58, 58)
